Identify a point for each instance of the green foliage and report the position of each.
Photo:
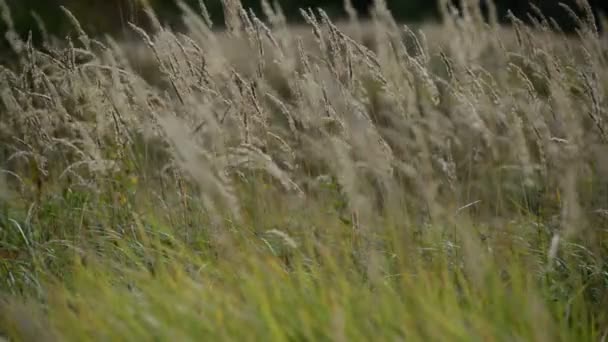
(322, 183)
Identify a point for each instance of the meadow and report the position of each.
(335, 182)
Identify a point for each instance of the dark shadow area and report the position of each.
(112, 16)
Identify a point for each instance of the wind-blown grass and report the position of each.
(360, 184)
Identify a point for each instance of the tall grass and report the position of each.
(371, 183)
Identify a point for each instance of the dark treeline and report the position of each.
(103, 16)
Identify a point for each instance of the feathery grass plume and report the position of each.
(205, 168)
(82, 36)
(262, 179)
(350, 11)
(232, 17)
(205, 13)
(11, 36)
(41, 27)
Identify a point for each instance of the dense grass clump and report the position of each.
(343, 182)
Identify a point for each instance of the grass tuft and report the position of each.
(360, 181)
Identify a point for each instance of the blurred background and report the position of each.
(111, 16)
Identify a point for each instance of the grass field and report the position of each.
(335, 182)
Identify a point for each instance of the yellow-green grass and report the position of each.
(448, 184)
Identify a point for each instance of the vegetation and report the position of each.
(100, 17)
(259, 184)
